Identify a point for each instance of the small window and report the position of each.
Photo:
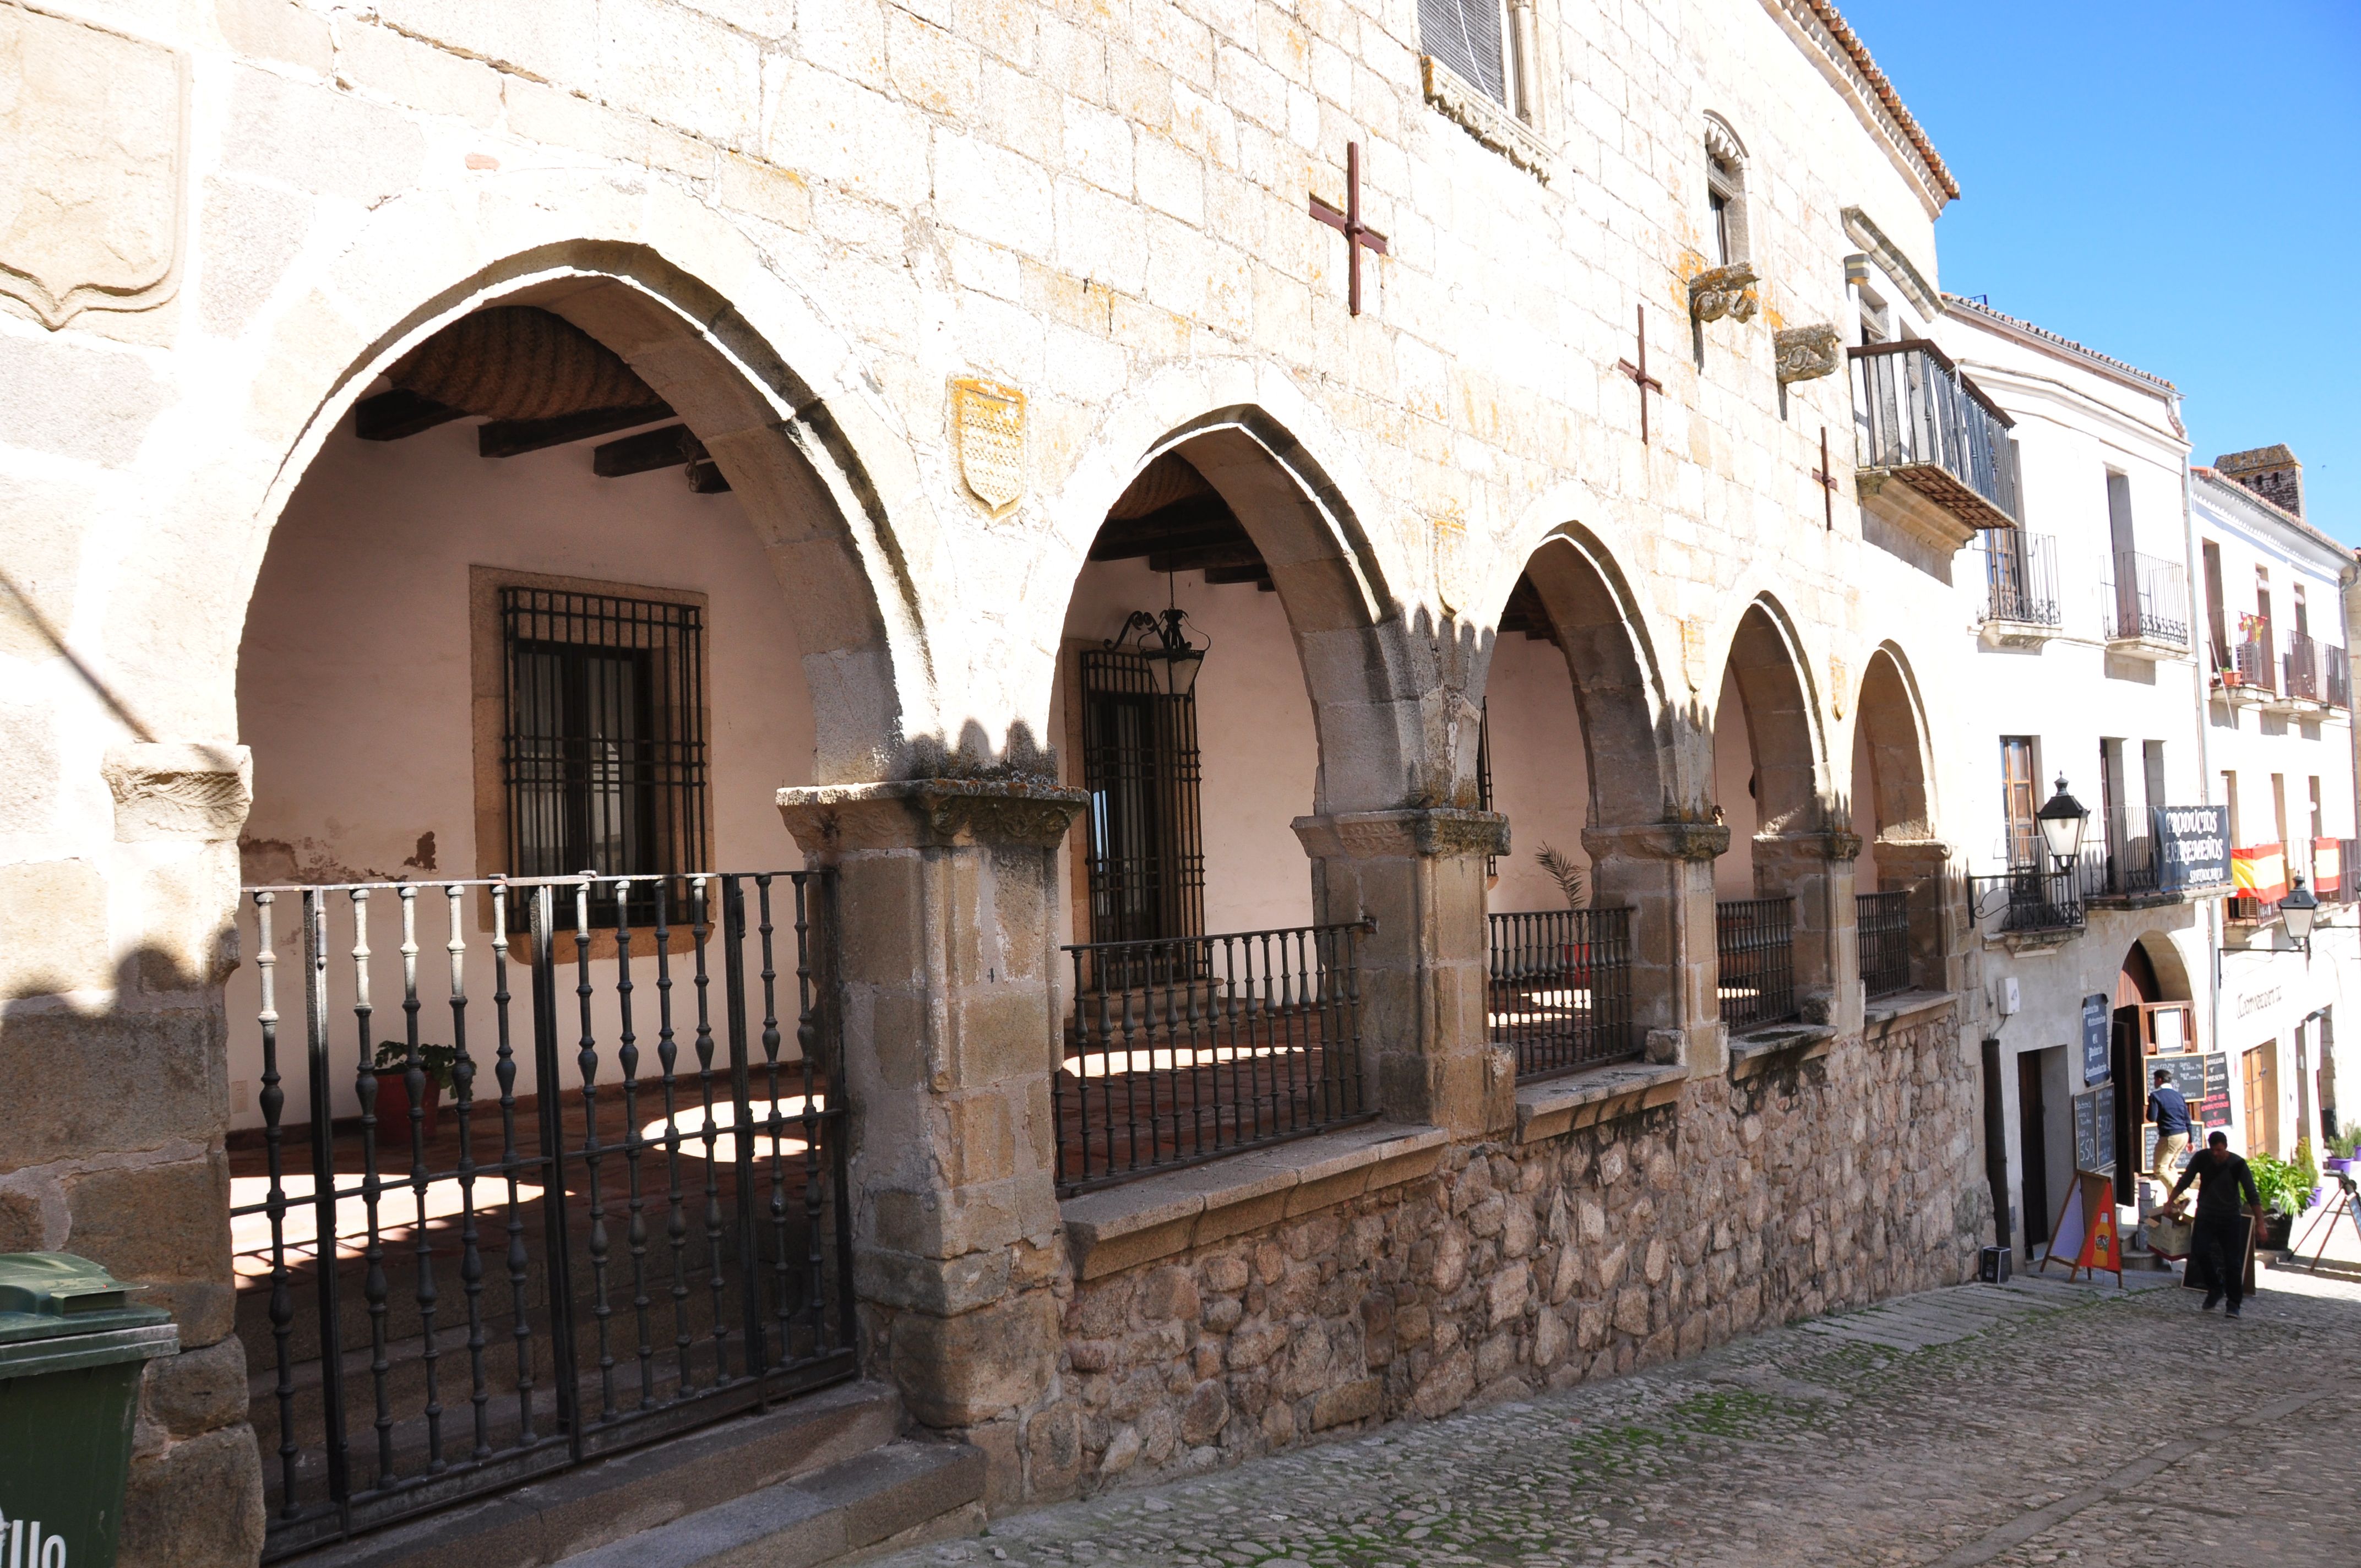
(1724, 194)
(602, 758)
(1145, 858)
(2019, 800)
(1474, 39)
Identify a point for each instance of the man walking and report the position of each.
(2221, 1242)
(2169, 1111)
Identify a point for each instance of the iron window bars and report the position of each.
(1144, 854)
(1755, 941)
(1560, 992)
(1188, 1048)
(603, 755)
(1884, 921)
(2149, 599)
(2021, 579)
(587, 1257)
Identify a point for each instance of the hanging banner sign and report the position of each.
(2192, 846)
(2097, 1022)
(2327, 866)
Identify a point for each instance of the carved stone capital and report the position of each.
(1402, 835)
(929, 814)
(1720, 291)
(1819, 843)
(179, 790)
(1808, 353)
(1698, 843)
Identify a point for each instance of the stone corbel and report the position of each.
(1421, 832)
(1671, 840)
(1808, 353)
(1720, 291)
(929, 814)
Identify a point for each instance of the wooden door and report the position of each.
(2019, 800)
(2033, 1140)
(2259, 1071)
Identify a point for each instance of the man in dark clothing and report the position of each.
(2220, 1241)
(2169, 1111)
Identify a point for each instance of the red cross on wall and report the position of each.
(1358, 236)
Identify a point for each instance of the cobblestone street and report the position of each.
(2032, 1423)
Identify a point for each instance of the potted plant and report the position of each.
(2284, 1195)
(391, 1068)
(2341, 1150)
(1568, 877)
(2307, 1173)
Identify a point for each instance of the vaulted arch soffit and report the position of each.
(748, 362)
(1890, 713)
(1783, 716)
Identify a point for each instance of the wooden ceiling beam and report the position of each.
(389, 416)
(1197, 519)
(1237, 554)
(513, 437)
(670, 447)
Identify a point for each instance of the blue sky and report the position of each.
(2175, 184)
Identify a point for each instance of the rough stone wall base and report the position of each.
(1825, 1183)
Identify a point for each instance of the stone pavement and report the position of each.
(2036, 1422)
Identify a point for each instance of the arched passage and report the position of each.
(1901, 928)
(594, 632)
(1783, 889)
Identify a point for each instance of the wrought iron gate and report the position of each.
(610, 1233)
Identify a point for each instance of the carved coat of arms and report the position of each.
(988, 425)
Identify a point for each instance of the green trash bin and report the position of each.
(71, 1350)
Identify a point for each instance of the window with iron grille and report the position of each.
(1144, 855)
(603, 753)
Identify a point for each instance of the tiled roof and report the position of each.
(1850, 41)
(1976, 308)
(2272, 510)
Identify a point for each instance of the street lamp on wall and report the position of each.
(2299, 909)
(2062, 820)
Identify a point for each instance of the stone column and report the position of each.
(112, 1125)
(947, 894)
(1815, 869)
(1663, 871)
(1419, 874)
(1922, 867)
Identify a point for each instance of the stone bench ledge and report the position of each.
(1778, 1043)
(1904, 1004)
(1559, 1105)
(1121, 1227)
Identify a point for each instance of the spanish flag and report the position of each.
(2327, 866)
(2261, 873)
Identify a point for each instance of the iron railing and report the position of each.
(579, 1252)
(1755, 941)
(2336, 676)
(2246, 663)
(1188, 1049)
(2124, 866)
(2021, 579)
(2149, 599)
(1916, 416)
(2025, 899)
(1561, 989)
(2302, 665)
(1884, 921)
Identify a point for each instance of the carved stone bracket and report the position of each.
(1401, 835)
(1720, 291)
(179, 790)
(929, 814)
(1824, 843)
(1673, 840)
(1808, 353)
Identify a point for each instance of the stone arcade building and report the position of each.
(470, 470)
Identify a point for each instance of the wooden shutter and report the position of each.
(1465, 36)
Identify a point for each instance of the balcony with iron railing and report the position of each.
(2032, 902)
(1883, 920)
(2021, 600)
(2316, 674)
(2147, 606)
(1918, 421)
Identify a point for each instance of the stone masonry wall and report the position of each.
(1818, 1185)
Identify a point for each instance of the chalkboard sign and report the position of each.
(2188, 1075)
(2213, 1110)
(2192, 846)
(2096, 1015)
(2147, 1151)
(2094, 1130)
